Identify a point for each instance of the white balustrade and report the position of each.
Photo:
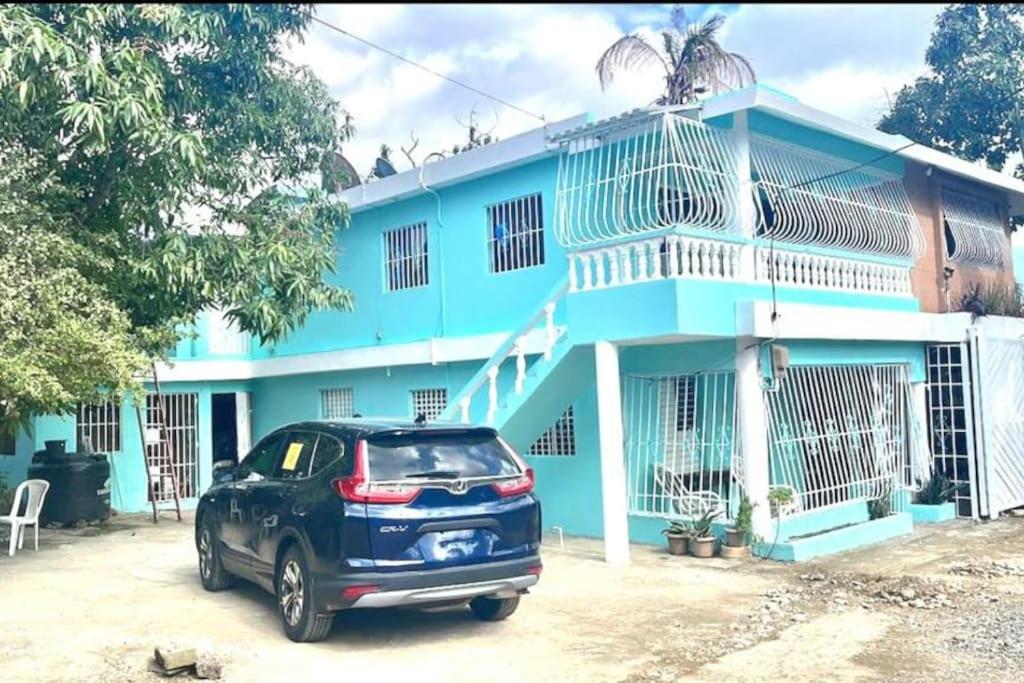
(674, 256)
(801, 269)
(492, 393)
(520, 353)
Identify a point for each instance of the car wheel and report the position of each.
(494, 609)
(211, 571)
(295, 600)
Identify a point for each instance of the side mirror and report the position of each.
(223, 471)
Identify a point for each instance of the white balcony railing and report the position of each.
(673, 256)
(799, 269)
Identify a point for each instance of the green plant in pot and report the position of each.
(779, 499)
(937, 491)
(678, 533)
(702, 544)
(739, 535)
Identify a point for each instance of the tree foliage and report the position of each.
(970, 103)
(693, 60)
(173, 138)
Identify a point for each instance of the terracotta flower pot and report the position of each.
(702, 547)
(677, 544)
(735, 538)
(731, 553)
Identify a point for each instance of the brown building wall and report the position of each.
(928, 277)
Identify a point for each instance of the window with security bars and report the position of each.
(337, 404)
(429, 402)
(559, 439)
(677, 404)
(98, 427)
(515, 232)
(405, 257)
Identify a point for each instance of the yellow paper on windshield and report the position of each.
(291, 458)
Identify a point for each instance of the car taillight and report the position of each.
(515, 487)
(356, 592)
(535, 570)
(356, 488)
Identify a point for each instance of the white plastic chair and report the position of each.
(36, 490)
(687, 503)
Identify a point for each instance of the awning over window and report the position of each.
(806, 197)
(974, 230)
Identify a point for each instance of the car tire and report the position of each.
(211, 570)
(493, 609)
(295, 600)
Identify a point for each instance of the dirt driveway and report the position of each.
(92, 603)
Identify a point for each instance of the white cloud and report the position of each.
(838, 58)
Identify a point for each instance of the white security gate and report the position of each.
(181, 417)
(951, 422)
(681, 454)
(839, 434)
(998, 366)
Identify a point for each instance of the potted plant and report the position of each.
(780, 498)
(935, 501)
(702, 543)
(737, 537)
(678, 533)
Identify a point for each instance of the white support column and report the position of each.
(747, 208)
(610, 444)
(753, 428)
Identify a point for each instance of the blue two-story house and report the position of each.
(665, 312)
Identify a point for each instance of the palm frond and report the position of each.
(626, 53)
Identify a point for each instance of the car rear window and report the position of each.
(461, 455)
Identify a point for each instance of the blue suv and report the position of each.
(335, 515)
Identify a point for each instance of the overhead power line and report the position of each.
(423, 67)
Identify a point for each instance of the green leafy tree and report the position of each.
(970, 103)
(172, 139)
(693, 60)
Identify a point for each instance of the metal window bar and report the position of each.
(950, 425)
(98, 426)
(976, 234)
(515, 234)
(180, 413)
(406, 257)
(559, 439)
(337, 404)
(681, 462)
(839, 433)
(429, 402)
(865, 210)
(653, 171)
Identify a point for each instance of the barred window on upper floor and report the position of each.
(974, 230)
(405, 258)
(515, 234)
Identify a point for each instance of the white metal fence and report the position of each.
(681, 453)
(839, 433)
(951, 421)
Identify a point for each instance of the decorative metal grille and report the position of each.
(429, 402)
(98, 427)
(515, 234)
(974, 230)
(405, 257)
(644, 172)
(559, 439)
(337, 404)
(864, 210)
(180, 428)
(839, 433)
(1000, 381)
(681, 452)
(950, 421)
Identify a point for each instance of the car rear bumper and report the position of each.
(429, 586)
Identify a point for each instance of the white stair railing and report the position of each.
(543, 320)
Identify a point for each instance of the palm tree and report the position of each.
(693, 60)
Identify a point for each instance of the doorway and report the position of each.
(225, 428)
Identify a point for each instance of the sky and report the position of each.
(843, 59)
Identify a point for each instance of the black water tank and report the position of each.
(79, 487)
